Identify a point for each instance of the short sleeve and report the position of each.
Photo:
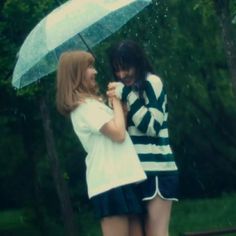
(95, 114)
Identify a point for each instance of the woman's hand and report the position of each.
(112, 94)
(115, 89)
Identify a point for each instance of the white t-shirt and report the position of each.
(109, 164)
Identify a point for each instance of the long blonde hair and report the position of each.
(71, 84)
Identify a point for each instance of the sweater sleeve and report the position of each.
(149, 117)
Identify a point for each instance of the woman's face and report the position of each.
(126, 76)
(90, 76)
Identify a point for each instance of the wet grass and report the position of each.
(15, 222)
(187, 216)
(203, 215)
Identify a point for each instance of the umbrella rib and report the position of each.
(105, 28)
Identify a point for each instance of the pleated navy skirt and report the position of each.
(119, 201)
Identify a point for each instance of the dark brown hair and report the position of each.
(128, 54)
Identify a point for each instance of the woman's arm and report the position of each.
(115, 128)
(148, 118)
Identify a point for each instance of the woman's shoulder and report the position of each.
(82, 106)
(85, 104)
(94, 103)
(90, 105)
(154, 80)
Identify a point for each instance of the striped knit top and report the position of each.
(148, 127)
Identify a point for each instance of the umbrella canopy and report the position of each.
(77, 24)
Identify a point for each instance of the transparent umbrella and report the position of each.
(77, 24)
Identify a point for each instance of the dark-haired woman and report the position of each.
(145, 97)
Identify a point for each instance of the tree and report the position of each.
(14, 31)
(61, 186)
(222, 8)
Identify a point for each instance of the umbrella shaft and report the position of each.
(89, 49)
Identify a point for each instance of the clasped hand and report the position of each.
(114, 92)
(111, 90)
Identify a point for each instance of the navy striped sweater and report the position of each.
(148, 127)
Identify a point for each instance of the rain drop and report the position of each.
(234, 20)
(198, 120)
(229, 222)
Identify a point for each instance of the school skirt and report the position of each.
(123, 200)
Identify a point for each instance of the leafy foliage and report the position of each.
(183, 42)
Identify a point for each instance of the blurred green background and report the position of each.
(192, 46)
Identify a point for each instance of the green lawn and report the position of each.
(16, 223)
(200, 215)
(187, 216)
(11, 219)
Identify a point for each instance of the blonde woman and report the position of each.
(112, 165)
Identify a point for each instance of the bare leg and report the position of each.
(115, 226)
(157, 222)
(135, 226)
